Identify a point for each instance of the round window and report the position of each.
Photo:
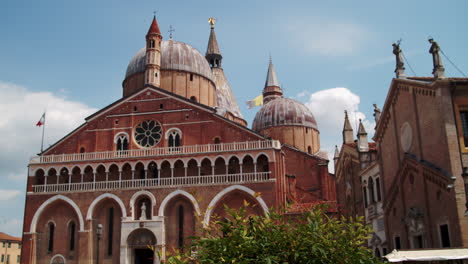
(148, 133)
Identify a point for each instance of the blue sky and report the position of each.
(70, 57)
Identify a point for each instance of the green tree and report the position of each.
(312, 237)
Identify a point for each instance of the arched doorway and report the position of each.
(141, 243)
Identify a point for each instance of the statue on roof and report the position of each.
(377, 113)
(435, 50)
(400, 65)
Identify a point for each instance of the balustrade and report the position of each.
(156, 182)
(163, 151)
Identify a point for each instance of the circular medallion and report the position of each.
(406, 138)
(148, 133)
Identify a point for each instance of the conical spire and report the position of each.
(347, 132)
(213, 55)
(213, 47)
(361, 130)
(271, 79)
(347, 124)
(154, 28)
(272, 90)
(337, 152)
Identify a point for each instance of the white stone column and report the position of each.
(94, 180)
(172, 175)
(120, 178)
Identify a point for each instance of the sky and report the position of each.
(70, 58)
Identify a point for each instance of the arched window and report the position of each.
(180, 213)
(370, 186)
(71, 233)
(82, 150)
(379, 194)
(50, 242)
(217, 140)
(121, 142)
(174, 138)
(193, 98)
(309, 150)
(152, 43)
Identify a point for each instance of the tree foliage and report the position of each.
(312, 237)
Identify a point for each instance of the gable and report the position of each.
(197, 123)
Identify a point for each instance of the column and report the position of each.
(199, 174)
(94, 180)
(241, 178)
(69, 181)
(133, 178)
(45, 182)
(172, 174)
(255, 171)
(120, 178)
(159, 177)
(212, 173)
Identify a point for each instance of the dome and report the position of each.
(174, 56)
(283, 112)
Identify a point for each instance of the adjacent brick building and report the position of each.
(153, 167)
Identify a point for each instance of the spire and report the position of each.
(347, 132)
(272, 90)
(271, 79)
(363, 143)
(154, 28)
(213, 55)
(337, 152)
(361, 130)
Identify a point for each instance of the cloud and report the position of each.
(6, 195)
(328, 107)
(21, 109)
(302, 94)
(327, 38)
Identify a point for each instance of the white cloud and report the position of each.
(328, 107)
(327, 38)
(6, 195)
(21, 109)
(302, 94)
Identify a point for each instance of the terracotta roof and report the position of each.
(4, 236)
(154, 28)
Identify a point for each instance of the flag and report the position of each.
(41, 121)
(257, 101)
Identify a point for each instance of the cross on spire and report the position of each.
(171, 29)
(154, 12)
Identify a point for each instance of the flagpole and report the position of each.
(43, 129)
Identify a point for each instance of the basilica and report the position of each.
(143, 174)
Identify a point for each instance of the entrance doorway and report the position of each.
(144, 256)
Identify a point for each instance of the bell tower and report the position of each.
(153, 55)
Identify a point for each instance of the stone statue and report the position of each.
(400, 65)
(438, 70)
(377, 113)
(143, 211)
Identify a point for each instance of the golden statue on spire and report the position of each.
(212, 21)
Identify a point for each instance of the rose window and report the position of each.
(148, 133)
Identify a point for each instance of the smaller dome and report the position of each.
(283, 112)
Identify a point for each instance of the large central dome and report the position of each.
(175, 55)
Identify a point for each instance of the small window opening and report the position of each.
(371, 190)
(397, 243)
(193, 98)
(309, 150)
(152, 43)
(307, 130)
(187, 116)
(212, 63)
(161, 106)
(191, 77)
(82, 150)
(181, 226)
(135, 109)
(110, 231)
(444, 236)
(50, 244)
(156, 74)
(217, 140)
(379, 194)
(72, 236)
(116, 121)
(364, 193)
